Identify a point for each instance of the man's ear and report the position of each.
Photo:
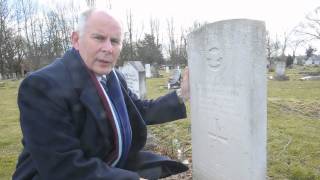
(75, 40)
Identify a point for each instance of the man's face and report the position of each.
(100, 43)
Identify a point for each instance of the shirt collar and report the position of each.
(99, 77)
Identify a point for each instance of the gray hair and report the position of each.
(83, 17)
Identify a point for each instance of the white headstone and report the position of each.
(227, 64)
(178, 67)
(308, 61)
(135, 76)
(280, 68)
(148, 70)
(167, 69)
(0, 76)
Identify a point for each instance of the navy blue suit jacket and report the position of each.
(67, 136)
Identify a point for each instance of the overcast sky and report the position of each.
(279, 15)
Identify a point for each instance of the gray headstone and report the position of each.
(280, 68)
(227, 64)
(308, 61)
(174, 79)
(135, 76)
(155, 72)
(0, 76)
(148, 70)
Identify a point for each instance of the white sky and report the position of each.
(280, 16)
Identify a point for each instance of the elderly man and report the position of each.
(80, 121)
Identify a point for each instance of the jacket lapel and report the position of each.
(138, 126)
(91, 100)
(86, 89)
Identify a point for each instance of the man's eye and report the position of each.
(115, 41)
(99, 38)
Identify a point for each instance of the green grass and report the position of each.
(174, 135)
(293, 127)
(10, 133)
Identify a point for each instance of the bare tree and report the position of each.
(295, 44)
(67, 18)
(182, 48)
(33, 31)
(4, 13)
(109, 4)
(284, 43)
(54, 39)
(130, 33)
(273, 47)
(280, 46)
(155, 29)
(310, 28)
(73, 14)
(10, 54)
(13, 52)
(269, 48)
(91, 3)
(172, 41)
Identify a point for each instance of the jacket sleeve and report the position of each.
(155, 111)
(50, 137)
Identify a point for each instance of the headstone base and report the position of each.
(281, 78)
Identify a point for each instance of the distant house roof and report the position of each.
(137, 65)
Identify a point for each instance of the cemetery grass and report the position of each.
(10, 133)
(293, 128)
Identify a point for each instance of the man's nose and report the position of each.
(107, 46)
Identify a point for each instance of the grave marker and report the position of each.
(135, 76)
(227, 64)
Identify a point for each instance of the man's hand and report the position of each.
(185, 90)
(142, 179)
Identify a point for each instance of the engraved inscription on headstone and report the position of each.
(213, 57)
(227, 67)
